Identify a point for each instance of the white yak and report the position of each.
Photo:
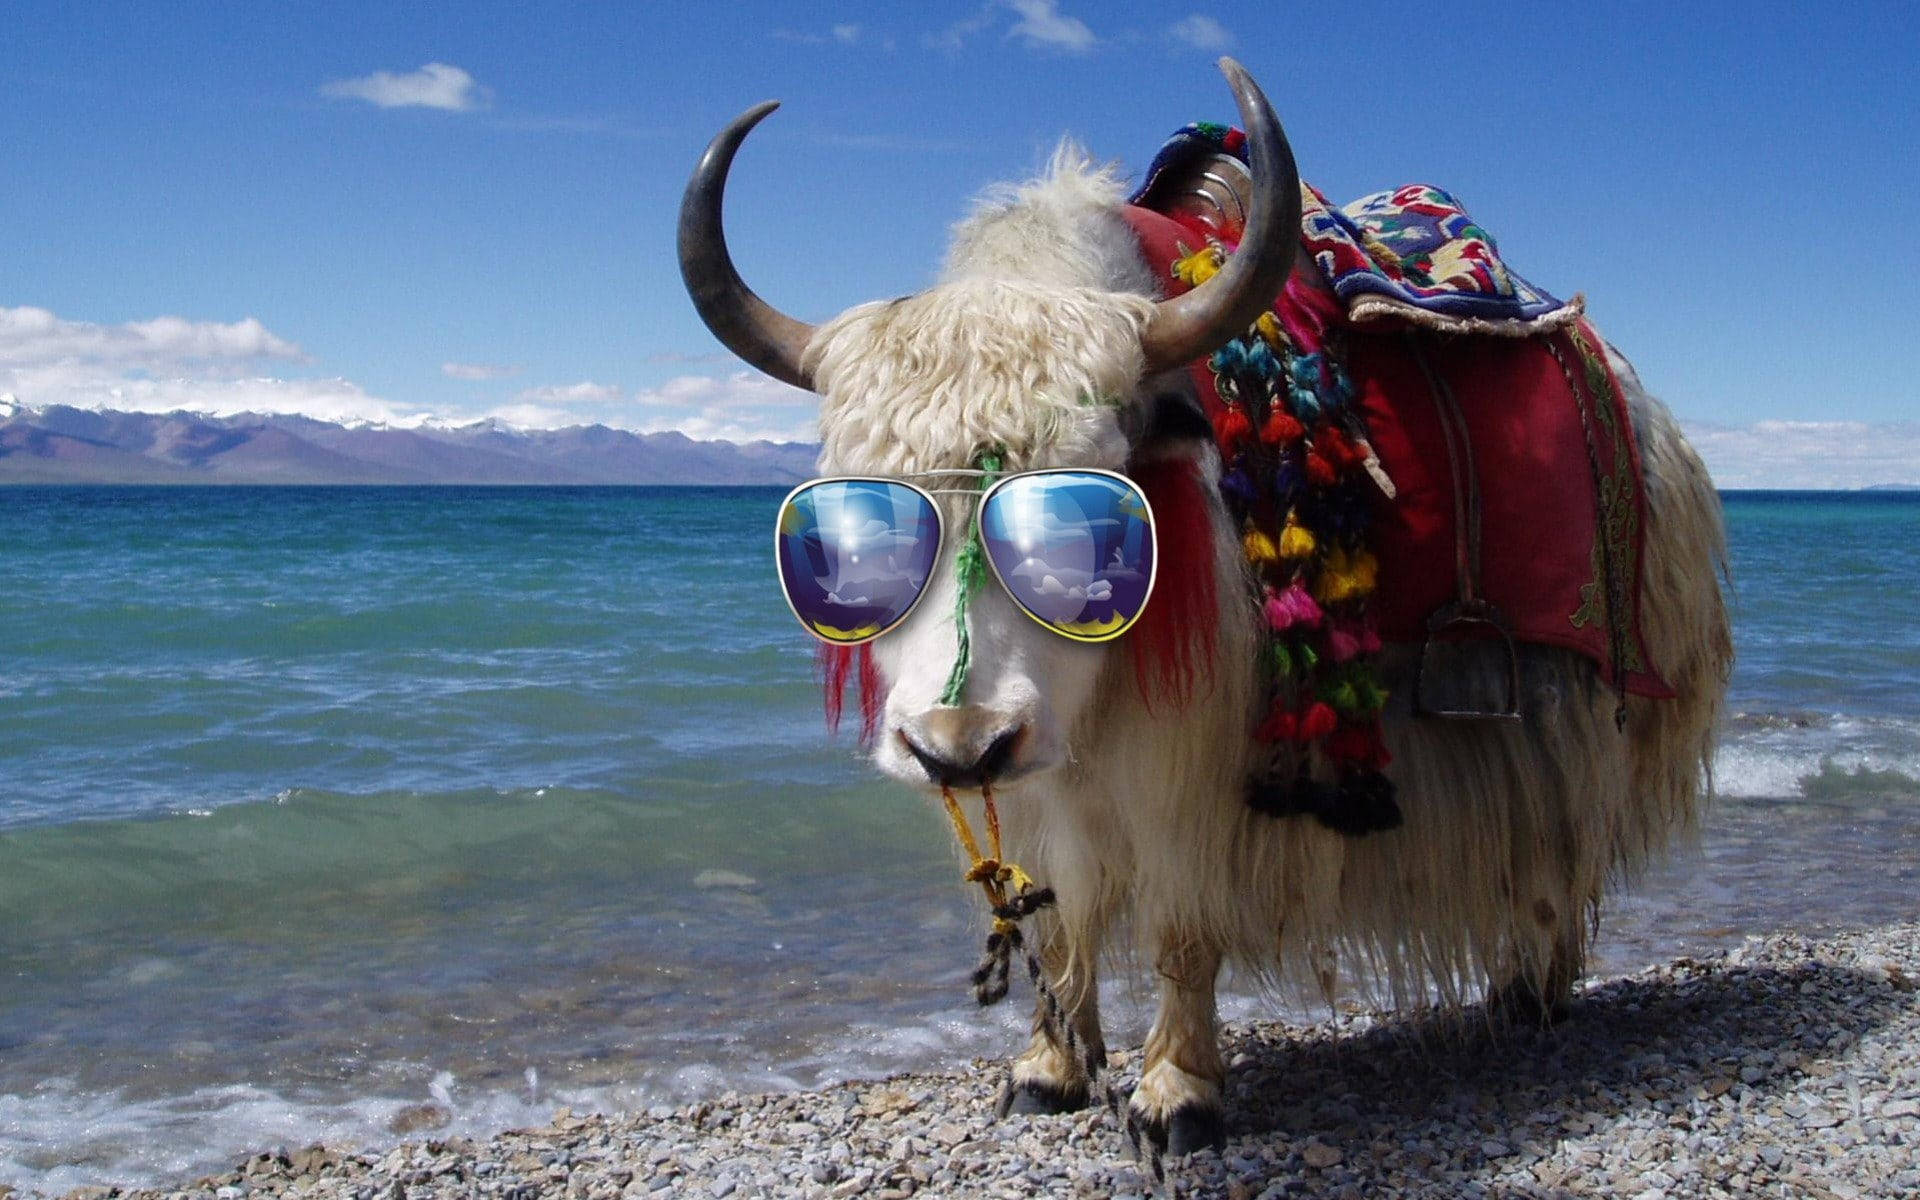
(1134, 812)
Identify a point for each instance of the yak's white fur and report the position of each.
(1031, 343)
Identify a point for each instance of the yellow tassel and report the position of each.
(1336, 578)
(1346, 577)
(1268, 327)
(1295, 540)
(1196, 268)
(1260, 547)
(1366, 572)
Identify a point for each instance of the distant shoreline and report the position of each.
(1790, 1063)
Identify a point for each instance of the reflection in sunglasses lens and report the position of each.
(1074, 548)
(855, 555)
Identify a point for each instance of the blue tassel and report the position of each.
(1260, 359)
(1230, 359)
(1239, 486)
(1286, 482)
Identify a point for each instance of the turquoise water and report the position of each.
(319, 803)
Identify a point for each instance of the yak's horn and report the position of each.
(747, 325)
(1206, 318)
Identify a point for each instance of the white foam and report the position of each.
(59, 1137)
(1777, 761)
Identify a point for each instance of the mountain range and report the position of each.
(58, 444)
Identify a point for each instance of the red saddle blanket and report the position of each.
(1542, 458)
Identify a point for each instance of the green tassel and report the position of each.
(970, 571)
(1279, 661)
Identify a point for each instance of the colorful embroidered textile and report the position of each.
(1560, 525)
(1350, 365)
(1411, 254)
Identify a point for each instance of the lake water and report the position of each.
(317, 804)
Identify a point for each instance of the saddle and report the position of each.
(1511, 507)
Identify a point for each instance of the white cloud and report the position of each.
(536, 416)
(742, 407)
(435, 85)
(846, 34)
(1202, 33)
(584, 392)
(476, 372)
(97, 386)
(1808, 454)
(171, 363)
(34, 336)
(956, 35)
(1041, 25)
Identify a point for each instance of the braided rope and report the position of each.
(970, 571)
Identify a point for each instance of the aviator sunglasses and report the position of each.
(1073, 547)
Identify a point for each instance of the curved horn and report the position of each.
(1186, 327)
(745, 324)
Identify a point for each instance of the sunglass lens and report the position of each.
(1074, 548)
(855, 555)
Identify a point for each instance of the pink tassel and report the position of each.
(1342, 646)
(1301, 605)
(1279, 614)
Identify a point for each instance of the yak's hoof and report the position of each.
(1191, 1127)
(1522, 1003)
(1033, 1096)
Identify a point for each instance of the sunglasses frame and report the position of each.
(940, 533)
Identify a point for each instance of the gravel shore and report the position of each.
(1788, 1067)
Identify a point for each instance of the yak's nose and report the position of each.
(952, 754)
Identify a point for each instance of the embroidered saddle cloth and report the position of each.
(1409, 255)
(1490, 405)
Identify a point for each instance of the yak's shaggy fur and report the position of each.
(1132, 808)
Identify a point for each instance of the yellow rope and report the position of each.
(993, 874)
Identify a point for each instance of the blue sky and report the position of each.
(459, 210)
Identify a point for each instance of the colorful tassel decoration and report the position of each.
(1317, 721)
(1198, 267)
(1259, 547)
(1320, 472)
(1295, 541)
(1281, 429)
(1234, 428)
(1300, 481)
(1342, 646)
(1280, 726)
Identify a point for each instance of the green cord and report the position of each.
(970, 571)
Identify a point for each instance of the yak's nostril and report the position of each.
(951, 772)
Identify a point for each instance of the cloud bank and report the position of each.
(1795, 455)
(224, 368)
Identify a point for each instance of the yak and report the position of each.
(1051, 341)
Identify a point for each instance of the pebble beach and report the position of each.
(1788, 1066)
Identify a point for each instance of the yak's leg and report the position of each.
(1548, 954)
(1050, 1077)
(1540, 992)
(1178, 1103)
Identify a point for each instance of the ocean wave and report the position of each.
(1826, 757)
